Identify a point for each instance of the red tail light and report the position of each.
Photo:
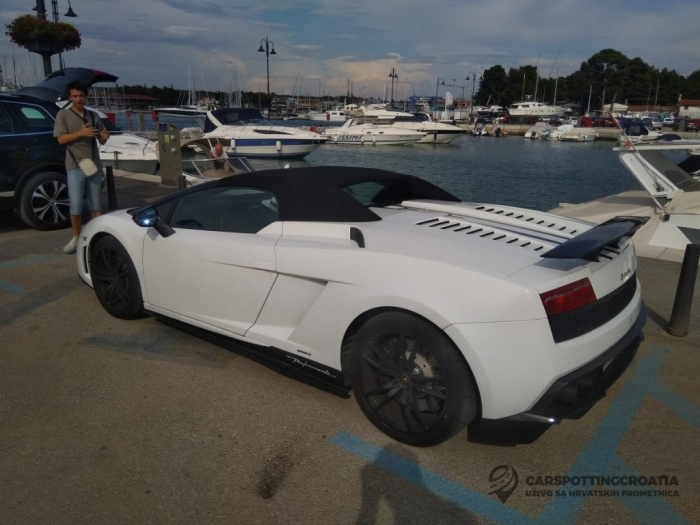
(568, 297)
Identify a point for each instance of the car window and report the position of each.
(29, 118)
(5, 122)
(233, 209)
(379, 193)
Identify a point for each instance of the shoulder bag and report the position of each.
(87, 166)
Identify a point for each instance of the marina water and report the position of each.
(509, 170)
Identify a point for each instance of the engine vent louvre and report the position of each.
(495, 234)
(526, 218)
(483, 232)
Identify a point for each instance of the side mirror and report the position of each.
(148, 218)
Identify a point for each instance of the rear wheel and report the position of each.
(410, 381)
(43, 201)
(115, 280)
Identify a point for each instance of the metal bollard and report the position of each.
(181, 182)
(111, 190)
(678, 325)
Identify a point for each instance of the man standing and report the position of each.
(77, 128)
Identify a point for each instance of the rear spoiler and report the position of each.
(591, 243)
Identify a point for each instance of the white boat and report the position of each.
(536, 131)
(333, 115)
(556, 134)
(579, 135)
(382, 112)
(671, 198)
(371, 134)
(184, 111)
(435, 132)
(533, 109)
(637, 132)
(130, 152)
(252, 136)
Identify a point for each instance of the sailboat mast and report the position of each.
(537, 74)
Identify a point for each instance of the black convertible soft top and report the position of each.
(319, 194)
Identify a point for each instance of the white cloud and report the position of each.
(333, 40)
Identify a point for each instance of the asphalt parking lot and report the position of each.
(110, 421)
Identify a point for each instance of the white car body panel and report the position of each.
(237, 271)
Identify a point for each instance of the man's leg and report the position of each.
(76, 189)
(76, 221)
(94, 194)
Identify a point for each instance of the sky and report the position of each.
(320, 44)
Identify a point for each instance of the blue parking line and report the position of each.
(599, 457)
(12, 288)
(646, 510)
(24, 262)
(600, 451)
(676, 402)
(440, 486)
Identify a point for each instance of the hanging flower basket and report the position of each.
(42, 36)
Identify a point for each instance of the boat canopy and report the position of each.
(233, 117)
(416, 117)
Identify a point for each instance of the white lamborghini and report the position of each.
(439, 314)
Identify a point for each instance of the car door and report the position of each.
(216, 269)
(14, 153)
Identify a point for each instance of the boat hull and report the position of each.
(440, 136)
(137, 166)
(374, 140)
(256, 148)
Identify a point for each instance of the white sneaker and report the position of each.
(72, 246)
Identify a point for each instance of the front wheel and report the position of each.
(43, 201)
(115, 279)
(410, 380)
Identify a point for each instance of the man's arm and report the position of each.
(103, 131)
(60, 131)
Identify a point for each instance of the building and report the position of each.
(111, 101)
(688, 108)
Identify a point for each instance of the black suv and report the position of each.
(32, 163)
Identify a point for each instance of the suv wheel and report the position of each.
(43, 201)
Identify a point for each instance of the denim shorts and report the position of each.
(80, 185)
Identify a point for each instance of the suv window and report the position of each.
(29, 118)
(5, 122)
(236, 210)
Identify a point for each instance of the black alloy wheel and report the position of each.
(410, 381)
(115, 280)
(44, 202)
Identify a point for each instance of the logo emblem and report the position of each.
(503, 480)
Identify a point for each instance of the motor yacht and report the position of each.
(435, 132)
(333, 115)
(530, 108)
(252, 136)
(130, 152)
(371, 134)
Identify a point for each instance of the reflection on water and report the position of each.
(514, 171)
(511, 170)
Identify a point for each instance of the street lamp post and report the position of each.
(393, 75)
(71, 14)
(473, 79)
(437, 87)
(41, 13)
(266, 50)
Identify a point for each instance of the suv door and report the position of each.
(14, 154)
(41, 198)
